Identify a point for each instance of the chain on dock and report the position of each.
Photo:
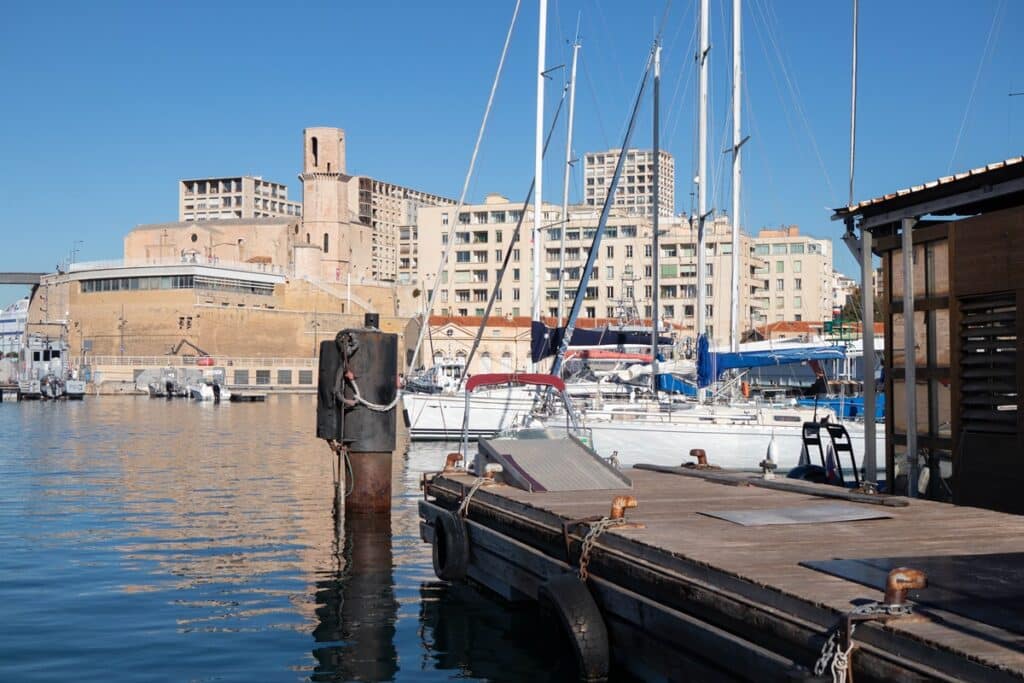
(596, 529)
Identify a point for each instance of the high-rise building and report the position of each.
(390, 210)
(797, 274)
(636, 184)
(237, 197)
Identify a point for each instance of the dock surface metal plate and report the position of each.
(557, 464)
(815, 513)
(985, 588)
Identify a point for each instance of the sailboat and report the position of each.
(733, 434)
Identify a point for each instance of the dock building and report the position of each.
(954, 419)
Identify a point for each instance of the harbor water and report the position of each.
(145, 539)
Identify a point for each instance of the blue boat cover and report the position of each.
(711, 365)
(676, 385)
(545, 340)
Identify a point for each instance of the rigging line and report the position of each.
(775, 80)
(610, 52)
(993, 29)
(597, 106)
(675, 114)
(514, 240)
(794, 93)
(752, 144)
(465, 185)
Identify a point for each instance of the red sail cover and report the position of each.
(503, 378)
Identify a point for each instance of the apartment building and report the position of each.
(390, 210)
(843, 288)
(239, 197)
(797, 274)
(622, 284)
(636, 185)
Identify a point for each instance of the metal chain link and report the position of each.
(464, 505)
(596, 529)
(838, 661)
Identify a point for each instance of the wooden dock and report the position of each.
(688, 596)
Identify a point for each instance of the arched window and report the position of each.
(506, 361)
(485, 362)
(327, 243)
(316, 151)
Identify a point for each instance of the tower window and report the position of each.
(316, 154)
(326, 243)
(307, 238)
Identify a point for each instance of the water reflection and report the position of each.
(356, 606)
(196, 542)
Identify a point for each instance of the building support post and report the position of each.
(909, 353)
(867, 299)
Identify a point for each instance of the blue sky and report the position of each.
(105, 105)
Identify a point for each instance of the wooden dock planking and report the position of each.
(677, 537)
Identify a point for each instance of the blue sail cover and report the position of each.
(545, 341)
(711, 365)
(706, 373)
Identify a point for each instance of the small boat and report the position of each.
(209, 391)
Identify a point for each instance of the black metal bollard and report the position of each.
(360, 367)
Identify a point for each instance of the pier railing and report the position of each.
(177, 361)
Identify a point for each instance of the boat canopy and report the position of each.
(711, 365)
(546, 340)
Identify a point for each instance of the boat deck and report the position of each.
(687, 560)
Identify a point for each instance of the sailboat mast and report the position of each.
(702, 164)
(565, 180)
(737, 142)
(538, 166)
(656, 303)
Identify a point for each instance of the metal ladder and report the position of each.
(841, 443)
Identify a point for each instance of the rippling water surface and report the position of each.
(149, 540)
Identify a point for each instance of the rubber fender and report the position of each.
(577, 612)
(451, 547)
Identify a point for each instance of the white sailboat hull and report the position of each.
(730, 445)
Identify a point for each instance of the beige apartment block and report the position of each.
(636, 185)
(390, 210)
(797, 274)
(843, 288)
(238, 197)
(622, 284)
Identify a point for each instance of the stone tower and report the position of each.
(329, 219)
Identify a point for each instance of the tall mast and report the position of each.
(602, 222)
(565, 180)
(737, 142)
(702, 164)
(538, 166)
(656, 294)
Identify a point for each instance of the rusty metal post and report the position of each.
(370, 486)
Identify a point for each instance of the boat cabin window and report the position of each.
(55, 354)
(35, 355)
(788, 418)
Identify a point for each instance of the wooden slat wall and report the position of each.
(987, 257)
